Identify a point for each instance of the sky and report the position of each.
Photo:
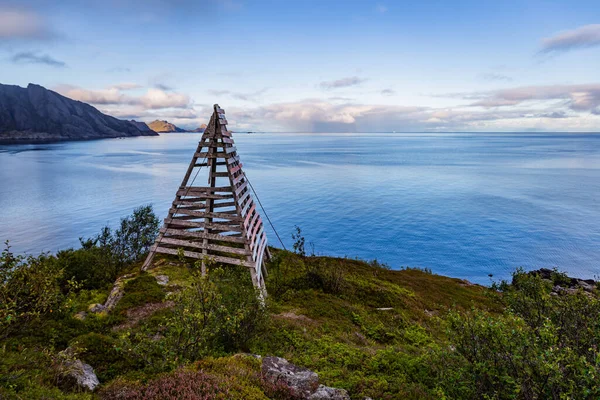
(316, 66)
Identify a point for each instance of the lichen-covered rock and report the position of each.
(96, 308)
(162, 279)
(84, 375)
(329, 393)
(301, 381)
(75, 373)
(81, 315)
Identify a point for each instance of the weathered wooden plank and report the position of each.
(233, 159)
(205, 195)
(221, 174)
(222, 121)
(221, 115)
(253, 226)
(171, 222)
(205, 154)
(201, 214)
(227, 140)
(199, 201)
(243, 198)
(200, 256)
(231, 149)
(203, 235)
(205, 246)
(235, 168)
(206, 164)
(241, 187)
(258, 248)
(256, 240)
(238, 179)
(247, 219)
(226, 133)
(248, 205)
(223, 205)
(206, 189)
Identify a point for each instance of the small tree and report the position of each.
(298, 241)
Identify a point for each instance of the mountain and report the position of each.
(201, 129)
(164, 126)
(142, 126)
(36, 114)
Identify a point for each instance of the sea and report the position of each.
(468, 205)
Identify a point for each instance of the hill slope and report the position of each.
(36, 114)
(164, 126)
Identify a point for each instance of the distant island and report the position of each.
(36, 114)
(163, 126)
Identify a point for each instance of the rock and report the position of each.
(96, 308)
(162, 279)
(301, 381)
(586, 286)
(36, 114)
(116, 293)
(74, 372)
(329, 393)
(81, 315)
(83, 374)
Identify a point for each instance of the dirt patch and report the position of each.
(137, 314)
(293, 316)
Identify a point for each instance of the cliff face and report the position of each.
(36, 114)
(164, 126)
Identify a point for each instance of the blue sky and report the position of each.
(316, 65)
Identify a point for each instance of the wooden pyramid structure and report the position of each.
(218, 221)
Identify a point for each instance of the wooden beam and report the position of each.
(199, 256)
(204, 246)
(202, 235)
(200, 214)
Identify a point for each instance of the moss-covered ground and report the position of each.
(361, 326)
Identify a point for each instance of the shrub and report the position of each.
(543, 346)
(187, 385)
(219, 313)
(102, 258)
(29, 288)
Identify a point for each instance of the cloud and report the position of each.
(316, 115)
(126, 86)
(28, 57)
(582, 97)
(156, 98)
(153, 99)
(245, 96)
(342, 83)
(23, 24)
(162, 86)
(388, 92)
(494, 76)
(582, 37)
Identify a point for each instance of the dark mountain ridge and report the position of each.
(36, 114)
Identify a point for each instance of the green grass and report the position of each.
(362, 327)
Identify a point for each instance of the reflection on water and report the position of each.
(465, 205)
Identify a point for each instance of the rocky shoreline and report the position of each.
(562, 283)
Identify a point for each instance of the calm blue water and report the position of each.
(464, 205)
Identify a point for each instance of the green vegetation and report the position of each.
(361, 326)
